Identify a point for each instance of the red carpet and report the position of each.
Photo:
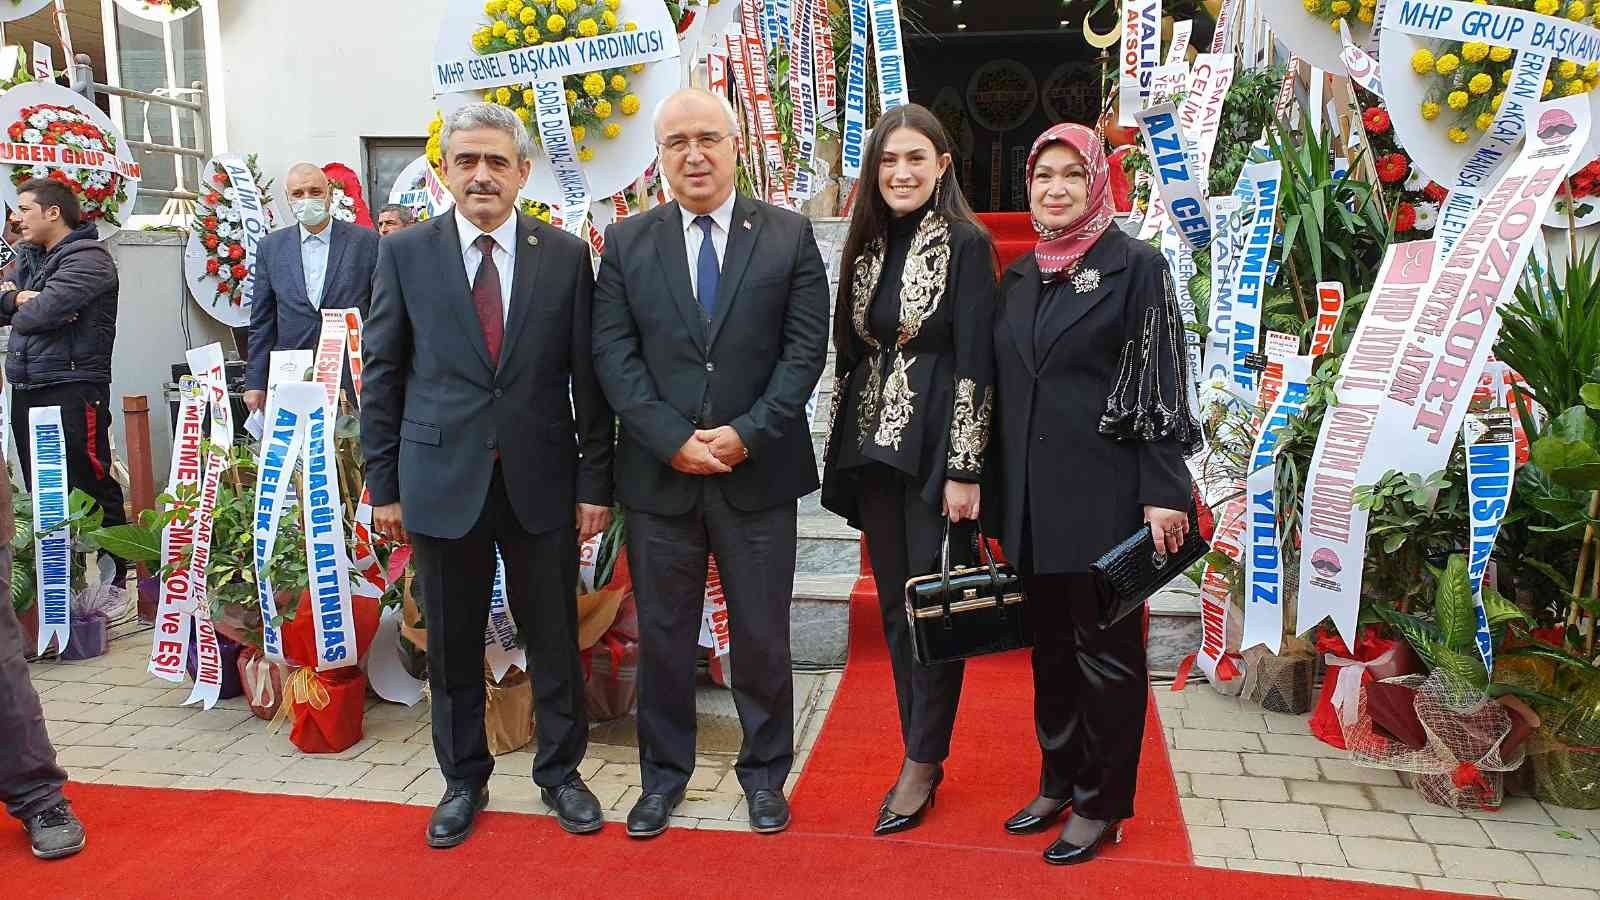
(173, 843)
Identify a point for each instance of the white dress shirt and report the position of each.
(314, 259)
(721, 221)
(505, 254)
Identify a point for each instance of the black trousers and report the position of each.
(86, 429)
(1089, 696)
(904, 535)
(456, 578)
(30, 780)
(755, 554)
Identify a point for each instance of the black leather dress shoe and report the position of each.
(452, 819)
(1025, 822)
(769, 812)
(577, 810)
(1062, 853)
(891, 822)
(650, 816)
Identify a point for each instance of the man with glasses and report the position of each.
(708, 351)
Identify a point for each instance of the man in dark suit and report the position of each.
(708, 350)
(321, 263)
(480, 326)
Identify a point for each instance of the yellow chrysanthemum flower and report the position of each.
(579, 132)
(1483, 121)
(567, 6)
(528, 16)
(1340, 7)
(1447, 63)
(1499, 54)
(488, 96)
(1590, 71)
(515, 7)
(1573, 87)
(631, 26)
(494, 7)
(1577, 10)
(555, 24)
(1334, 25)
(630, 104)
(1480, 83)
(531, 35)
(498, 29)
(572, 97)
(1546, 7)
(1422, 62)
(609, 18)
(1505, 76)
(1456, 100)
(594, 84)
(603, 109)
(618, 83)
(524, 115)
(585, 154)
(1474, 51)
(1567, 69)
(587, 28)
(1548, 87)
(513, 37)
(1458, 135)
(1430, 110)
(1312, 6)
(1494, 102)
(636, 68)
(502, 95)
(527, 96)
(1365, 15)
(436, 126)
(612, 130)
(480, 42)
(613, 4)
(1368, 4)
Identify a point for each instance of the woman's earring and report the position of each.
(938, 189)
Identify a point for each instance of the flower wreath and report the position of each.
(1335, 11)
(1585, 185)
(344, 195)
(1472, 76)
(100, 192)
(1412, 199)
(218, 222)
(593, 99)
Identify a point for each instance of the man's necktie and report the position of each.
(486, 298)
(707, 271)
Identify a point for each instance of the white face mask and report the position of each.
(310, 212)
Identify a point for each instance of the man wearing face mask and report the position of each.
(320, 263)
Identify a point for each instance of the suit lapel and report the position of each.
(297, 265)
(337, 242)
(735, 259)
(458, 296)
(525, 275)
(1109, 255)
(1022, 305)
(675, 263)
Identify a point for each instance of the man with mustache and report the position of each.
(709, 350)
(322, 263)
(479, 330)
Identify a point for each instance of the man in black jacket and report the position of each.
(63, 319)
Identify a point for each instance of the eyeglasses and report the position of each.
(705, 142)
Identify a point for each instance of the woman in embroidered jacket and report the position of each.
(1092, 427)
(913, 329)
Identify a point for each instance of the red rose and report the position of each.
(213, 266)
(1392, 168)
(213, 198)
(15, 131)
(210, 223)
(1405, 217)
(220, 179)
(1376, 120)
(1434, 191)
(236, 252)
(210, 241)
(224, 288)
(240, 271)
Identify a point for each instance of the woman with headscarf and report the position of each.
(1092, 428)
(912, 395)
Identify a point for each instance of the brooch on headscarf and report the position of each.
(1086, 280)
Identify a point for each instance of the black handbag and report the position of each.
(971, 611)
(1135, 569)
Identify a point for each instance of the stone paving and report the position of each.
(1259, 793)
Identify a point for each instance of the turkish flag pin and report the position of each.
(746, 224)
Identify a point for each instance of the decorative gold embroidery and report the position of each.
(867, 402)
(923, 282)
(897, 408)
(869, 270)
(969, 427)
(835, 400)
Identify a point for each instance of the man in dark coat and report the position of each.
(320, 263)
(63, 319)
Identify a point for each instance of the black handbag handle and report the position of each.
(984, 555)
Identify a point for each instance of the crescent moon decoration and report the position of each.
(1099, 41)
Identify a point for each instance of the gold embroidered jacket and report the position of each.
(913, 382)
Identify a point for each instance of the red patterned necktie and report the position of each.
(486, 298)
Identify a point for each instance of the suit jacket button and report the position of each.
(489, 444)
(1041, 438)
(498, 393)
(711, 367)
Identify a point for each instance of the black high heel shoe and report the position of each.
(1062, 853)
(1025, 822)
(890, 822)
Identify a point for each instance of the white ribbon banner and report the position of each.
(755, 75)
(1361, 65)
(251, 206)
(331, 354)
(1201, 113)
(282, 443)
(1227, 539)
(1217, 361)
(1177, 51)
(328, 568)
(1286, 380)
(169, 647)
(1141, 52)
(1521, 30)
(207, 365)
(1491, 465)
(1182, 191)
(714, 634)
(827, 82)
(1251, 275)
(1333, 529)
(854, 139)
(1330, 305)
(553, 61)
(500, 649)
(52, 553)
(60, 155)
(555, 135)
(890, 55)
(802, 96)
